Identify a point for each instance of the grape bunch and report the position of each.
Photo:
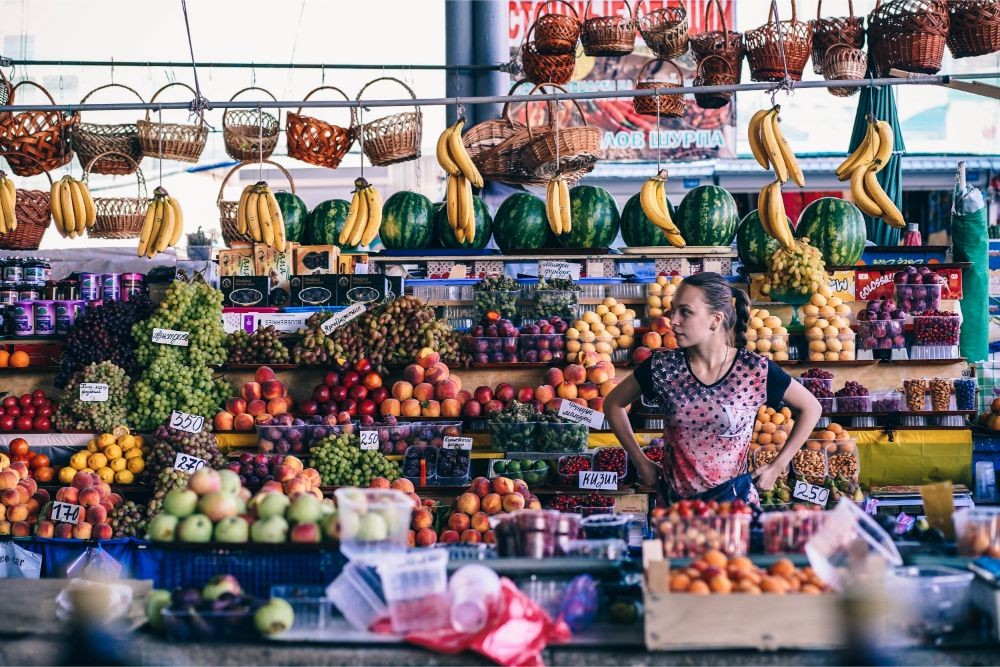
(100, 416)
(167, 479)
(340, 462)
(263, 346)
(104, 333)
(128, 520)
(167, 442)
(796, 271)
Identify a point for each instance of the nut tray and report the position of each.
(810, 463)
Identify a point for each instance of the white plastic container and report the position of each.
(416, 590)
(357, 593)
(475, 593)
(373, 522)
(932, 600)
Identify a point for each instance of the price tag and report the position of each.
(93, 392)
(342, 318)
(369, 440)
(66, 513)
(810, 493)
(455, 442)
(182, 421)
(581, 415)
(552, 270)
(598, 481)
(188, 463)
(170, 337)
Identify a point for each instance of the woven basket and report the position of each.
(849, 30)
(316, 141)
(6, 93)
(172, 141)
(764, 49)
(394, 138)
(556, 34)
(34, 214)
(607, 36)
(974, 27)
(118, 217)
(250, 134)
(713, 71)
(909, 35)
(844, 62)
(724, 43)
(539, 68)
(484, 136)
(665, 30)
(227, 209)
(113, 140)
(36, 141)
(665, 106)
(557, 149)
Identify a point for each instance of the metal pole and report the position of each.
(7, 62)
(491, 21)
(459, 36)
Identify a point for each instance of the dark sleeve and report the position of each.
(777, 384)
(644, 376)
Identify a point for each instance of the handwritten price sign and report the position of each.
(810, 493)
(598, 481)
(182, 421)
(558, 270)
(342, 318)
(454, 442)
(189, 464)
(581, 415)
(170, 337)
(369, 441)
(66, 513)
(93, 392)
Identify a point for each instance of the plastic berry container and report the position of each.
(568, 468)
(886, 401)
(542, 348)
(612, 459)
(412, 460)
(691, 537)
(605, 527)
(936, 336)
(561, 437)
(918, 298)
(853, 404)
(977, 531)
(788, 532)
(881, 335)
(965, 394)
(512, 437)
(494, 350)
(814, 384)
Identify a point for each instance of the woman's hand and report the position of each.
(767, 476)
(648, 471)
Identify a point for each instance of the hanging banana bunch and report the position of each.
(8, 199)
(259, 216)
(462, 176)
(557, 206)
(72, 207)
(364, 217)
(771, 149)
(771, 211)
(162, 226)
(653, 200)
(862, 168)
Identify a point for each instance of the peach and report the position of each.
(18, 513)
(426, 537)
(410, 408)
(272, 389)
(534, 504)
(470, 537)
(468, 503)
(251, 392)
(575, 374)
(3, 511)
(566, 390)
(446, 389)
(83, 531)
(606, 387)
(447, 537)
(45, 529)
(652, 340)
(513, 502)
(459, 522)
(256, 407)
(243, 422)
(42, 496)
(553, 377)
(590, 359)
(223, 420)
(10, 497)
(67, 494)
(545, 393)
(554, 405)
(424, 392)
(103, 488)
(641, 354)
(402, 390)
(597, 375)
(450, 407)
(20, 529)
(588, 391)
(390, 407)
(236, 406)
(427, 357)
(413, 374)
(503, 485)
(438, 372)
(489, 537)
(422, 518)
(480, 521)
(579, 401)
(313, 476)
(608, 367)
(5, 528)
(660, 326)
(416, 500)
(464, 396)
(379, 483)
(8, 479)
(596, 404)
(295, 487)
(102, 531)
(404, 485)
(492, 504)
(82, 480)
(90, 496)
(520, 486)
(277, 406)
(431, 409)
(64, 531)
(22, 494)
(480, 486)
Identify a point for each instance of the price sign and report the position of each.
(455, 442)
(369, 440)
(66, 513)
(182, 421)
(188, 463)
(599, 481)
(170, 337)
(342, 318)
(810, 493)
(581, 415)
(93, 392)
(556, 270)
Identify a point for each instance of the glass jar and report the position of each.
(13, 270)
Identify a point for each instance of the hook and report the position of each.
(459, 109)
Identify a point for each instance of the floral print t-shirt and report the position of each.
(707, 428)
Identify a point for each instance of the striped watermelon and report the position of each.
(638, 230)
(294, 213)
(754, 245)
(445, 235)
(325, 222)
(595, 218)
(407, 221)
(707, 216)
(521, 223)
(836, 227)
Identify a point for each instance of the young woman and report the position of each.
(710, 390)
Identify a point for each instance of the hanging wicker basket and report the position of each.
(316, 141)
(974, 27)
(394, 138)
(118, 217)
(769, 53)
(608, 36)
(665, 30)
(726, 44)
(826, 32)
(172, 141)
(713, 71)
(909, 35)
(555, 149)
(6, 95)
(484, 136)
(112, 140)
(666, 106)
(556, 34)
(33, 210)
(36, 141)
(227, 209)
(843, 62)
(250, 134)
(540, 68)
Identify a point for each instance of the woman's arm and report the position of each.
(622, 396)
(798, 398)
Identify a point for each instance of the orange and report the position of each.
(679, 582)
(698, 588)
(20, 359)
(4, 358)
(721, 584)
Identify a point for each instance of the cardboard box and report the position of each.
(277, 267)
(236, 262)
(235, 318)
(367, 289)
(315, 259)
(245, 291)
(873, 284)
(318, 289)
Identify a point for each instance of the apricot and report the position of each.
(698, 587)
(809, 589)
(679, 582)
(715, 558)
(721, 584)
(748, 587)
(774, 585)
(783, 568)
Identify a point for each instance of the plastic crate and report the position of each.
(58, 554)
(986, 443)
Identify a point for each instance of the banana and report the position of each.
(252, 217)
(451, 200)
(653, 201)
(565, 207)
(460, 156)
(147, 228)
(9, 218)
(242, 219)
(861, 198)
(66, 203)
(885, 144)
(552, 207)
(771, 146)
(873, 188)
(443, 157)
(167, 228)
(363, 214)
(347, 231)
(266, 226)
(754, 136)
(55, 202)
(178, 221)
(469, 211)
(277, 221)
(374, 215)
(777, 217)
(867, 147)
(154, 234)
(79, 209)
(788, 155)
(88, 203)
(762, 211)
(8, 185)
(675, 240)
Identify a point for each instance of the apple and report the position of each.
(321, 394)
(9, 401)
(350, 379)
(195, 528)
(367, 407)
(338, 394)
(379, 395)
(309, 408)
(525, 394)
(306, 533)
(362, 366)
(358, 392)
(349, 406)
(218, 505)
(491, 407)
(180, 502)
(305, 509)
(14, 411)
(28, 411)
(471, 409)
(232, 530)
(23, 424)
(272, 530)
(505, 393)
(251, 391)
(42, 424)
(331, 379)
(271, 504)
(25, 400)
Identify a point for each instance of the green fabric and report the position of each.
(969, 241)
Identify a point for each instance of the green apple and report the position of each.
(275, 617)
(156, 602)
(230, 482)
(372, 528)
(271, 505)
(195, 528)
(219, 584)
(305, 509)
(163, 528)
(233, 530)
(180, 502)
(272, 530)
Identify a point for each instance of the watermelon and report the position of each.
(445, 235)
(754, 245)
(836, 228)
(294, 213)
(595, 218)
(638, 230)
(521, 223)
(325, 222)
(707, 216)
(407, 221)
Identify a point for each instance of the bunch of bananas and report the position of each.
(462, 176)
(258, 215)
(770, 148)
(557, 206)
(8, 199)
(364, 217)
(771, 211)
(72, 207)
(163, 225)
(653, 200)
(862, 167)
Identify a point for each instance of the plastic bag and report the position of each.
(95, 564)
(19, 563)
(579, 604)
(517, 636)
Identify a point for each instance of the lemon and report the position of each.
(136, 465)
(97, 460)
(105, 440)
(79, 460)
(126, 443)
(118, 465)
(106, 474)
(120, 431)
(124, 477)
(134, 453)
(66, 474)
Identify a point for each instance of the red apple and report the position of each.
(38, 394)
(379, 395)
(309, 408)
(362, 366)
(25, 400)
(331, 379)
(321, 394)
(471, 409)
(42, 424)
(483, 394)
(10, 401)
(366, 407)
(358, 392)
(13, 411)
(338, 393)
(525, 394)
(23, 424)
(343, 417)
(263, 374)
(28, 411)
(350, 379)
(492, 406)
(350, 407)
(505, 393)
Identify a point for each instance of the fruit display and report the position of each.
(533, 472)
(880, 326)
(72, 207)
(396, 438)
(259, 216)
(766, 335)
(828, 332)
(610, 327)
(259, 400)
(692, 528)
(324, 224)
(660, 335)
(117, 458)
(587, 386)
(657, 210)
(660, 294)
(558, 205)
(611, 459)
(76, 414)
(28, 412)
(556, 297)
(128, 519)
(754, 244)
(853, 397)
(164, 223)
(638, 229)
(513, 427)
(795, 271)
(707, 216)
(568, 468)
(918, 289)
(428, 389)
(497, 294)
(356, 391)
(861, 168)
(20, 499)
(469, 522)
(168, 442)
(543, 341)
(422, 531)
(714, 573)
(167, 480)
(836, 228)
(205, 509)
(521, 224)
(407, 222)
(340, 462)
(589, 505)
(933, 328)
(770, 431)
(97, 501)
(263, 346)
(594, 219)
(494, 340)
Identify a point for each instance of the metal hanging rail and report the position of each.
(8, 62)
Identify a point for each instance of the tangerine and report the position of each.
(20, 359)
(4, 358)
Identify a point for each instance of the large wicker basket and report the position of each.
(713, 71)
(172, 141)
(119, 217)
(607, 36)
(974, 27)
(908, 35)
(724, 43)
(394, 138)
(36, 141)
(826, 32)
(556, 149)
(488, 134)
(844, 62)
(33, 211)
(316, 141)
(771, 55)
(667, 106)
(250, 134)
(556, 34)
(665, 30)
(540, 68)
(227, 209)
(111, 140)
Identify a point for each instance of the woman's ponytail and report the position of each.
(742, 305)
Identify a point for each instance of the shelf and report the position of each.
(40, 340)
(905, 413)
(924, 362)
(28, 369)
(831, 364)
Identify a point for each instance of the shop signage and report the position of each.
(187, 463)
(66, 512)
(817, 495)
(552, 270)
(342, 318)
(598, 480)
(581, 415)
(455, 442)
(369, 440)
